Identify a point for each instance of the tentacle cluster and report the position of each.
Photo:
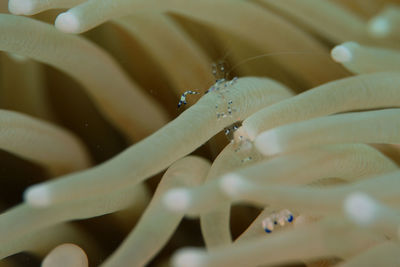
(309, 140)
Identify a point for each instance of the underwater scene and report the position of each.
(199, 133)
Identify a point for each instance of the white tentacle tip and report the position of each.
(341, 54)
(67, 22)
(38, 196)
(379, 27)
(67, 255)
(231, 184)
(344, 52)
(188, 257)
(360, 208)
(177, 200)
(268, 143)
(20, 7)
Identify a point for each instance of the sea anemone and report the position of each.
(283, 144)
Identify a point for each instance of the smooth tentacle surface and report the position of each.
(363, 59)
(26, 93)
(371, 91)
(320, 16)
(340, 161)
(54, 148)
(192, 128)
(23, 220)
(386, 253)
(302, 198)
(151, 27)
(321, 238)
(42, 241)
(30, 7)
(80, 18)
(89, 65)
(158, 224)
(338, 129)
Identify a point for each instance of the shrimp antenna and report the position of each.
(272, 54)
